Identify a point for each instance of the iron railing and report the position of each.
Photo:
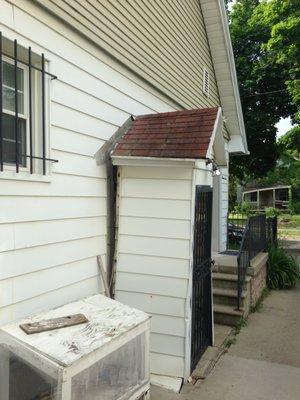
(254, 241)
(248, 235)
(13, 55)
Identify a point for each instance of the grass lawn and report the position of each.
(289, 225)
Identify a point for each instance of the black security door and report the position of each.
(202, 296)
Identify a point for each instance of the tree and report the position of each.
(290, 143)
(283, 46)
(262, 78)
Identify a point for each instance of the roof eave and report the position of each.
(153, 161)
(223, 60)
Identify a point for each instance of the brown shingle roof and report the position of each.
(178, 134)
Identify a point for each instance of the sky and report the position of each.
(283, 126)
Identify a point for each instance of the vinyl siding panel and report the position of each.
(153, 255)
(164, 42)
(52, 229)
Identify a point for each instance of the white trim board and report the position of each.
(215, 19)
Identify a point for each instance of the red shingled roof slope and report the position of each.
(178, 134)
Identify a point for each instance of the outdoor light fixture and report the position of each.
(215, 170)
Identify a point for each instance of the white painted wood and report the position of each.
(6, 292)
(23, 261)
(167, 344)
(150, 246)
(31, 234)
(157, 173)
(104, 315)
(52, 229)
(159, 188)
(162, 266)
(171, 287)
(56, 298)
(25, 208)
(153, 255)
(36, 283)
(153, 303)
(155, 208)
(165, 228)
(168, 325)
(163, 364)
(66, 352)
(74, 142)
(166, 382)
(77, 164)
(62, 185)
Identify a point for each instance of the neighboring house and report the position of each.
(260, 197)
(83, 69)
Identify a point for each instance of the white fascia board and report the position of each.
(153, 161)
(217, 145)
(215, 19)
(236, 146)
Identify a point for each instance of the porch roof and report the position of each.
(187, 134)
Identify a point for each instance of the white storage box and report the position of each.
(104, 359)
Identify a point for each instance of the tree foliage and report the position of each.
(266, 68)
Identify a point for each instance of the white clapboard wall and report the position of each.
(51, 231)
(153, 259)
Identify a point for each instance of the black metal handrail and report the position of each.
(254, 240)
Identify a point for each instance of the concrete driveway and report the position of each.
(264, 364)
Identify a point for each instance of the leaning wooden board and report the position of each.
(54, 323)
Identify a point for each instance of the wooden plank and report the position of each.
(23, 261)
(54, 323)
(155, 227)
(23, 208)
(156, 188)
(155, 208)
(52, 299)
(152, 246)
(151, 284)
(162, 266)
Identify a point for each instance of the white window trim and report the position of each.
(9, 170)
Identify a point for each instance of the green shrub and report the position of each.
(283, 270)
(272, 212)
(243, 208)
(294, 207)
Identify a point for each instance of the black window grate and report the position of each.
(19, 156)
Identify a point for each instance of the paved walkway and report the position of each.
(264, 364)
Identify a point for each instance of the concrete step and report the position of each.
(227, 315)
(229, 297)
(226, 281)
(225, 269)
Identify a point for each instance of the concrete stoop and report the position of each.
(225, 292)
(207, 362)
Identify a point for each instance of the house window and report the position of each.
(23, 116)
(8, 114)
(206, 81)
(282, 194)
(253, 197)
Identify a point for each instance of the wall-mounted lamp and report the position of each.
(215, 170)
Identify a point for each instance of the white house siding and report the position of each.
(52, 231)
(147, 36)
(153, 260)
